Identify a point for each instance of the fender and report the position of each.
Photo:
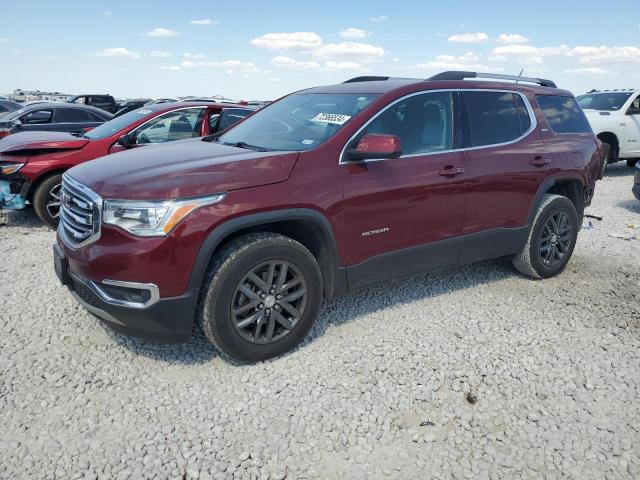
(337, 279)
(542, 190)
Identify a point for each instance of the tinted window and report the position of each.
(232, 116)
(563, 114)
(95, 118)
(71, 115)
(424, 123)
(603, 101)
(635, 103)
(37, 117)
(496, 117)
(177, 125)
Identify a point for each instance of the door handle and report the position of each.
(540, 161)
(451, 171)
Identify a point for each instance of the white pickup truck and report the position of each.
(614, 116)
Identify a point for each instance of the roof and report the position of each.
(383, 85)
(39, 106)
(168, 106)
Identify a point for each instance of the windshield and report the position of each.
(603, 101)
(112, 126)
(9, 116)
(297, 122)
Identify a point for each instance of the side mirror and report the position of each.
(633, 111)
(376, 146)
(125, 140)
(17, 124)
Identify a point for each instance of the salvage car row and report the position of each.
(327, 190)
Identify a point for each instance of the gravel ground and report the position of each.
(474, 372)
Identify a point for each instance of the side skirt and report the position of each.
(451, 252)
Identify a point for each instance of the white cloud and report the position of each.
(588, 70)
(117, 52)
(161, 54)
(605, 55)
(288, 41)
(497, 58)
(231, 67)
(381, 18)
(4, 40)
(204, 21)
(107, 13)
(528, 53)
(161, 32)
(511, 38)
(478, 37)
(192, 55)
(361, 52)
(346, 65)
(355, 33)
(468, 61)
(170, 67)
(288, 62)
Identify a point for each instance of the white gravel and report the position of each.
(378, 390)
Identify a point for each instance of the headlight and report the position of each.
(151, 219)
(8, 168)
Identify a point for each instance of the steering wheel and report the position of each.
(143, 139)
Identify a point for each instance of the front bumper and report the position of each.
(636, 190)
(166, 320)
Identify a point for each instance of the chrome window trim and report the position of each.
(532, 127)
(152, 288)
(97, 215)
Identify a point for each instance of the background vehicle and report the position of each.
(636, 182)
(52, 116)
(7, 106)
(326, 190)
(104, 102)
(130, 105)
(31, 164)
(614, 116)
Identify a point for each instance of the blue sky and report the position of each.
(262, 50)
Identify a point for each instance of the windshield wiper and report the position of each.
(245, 145)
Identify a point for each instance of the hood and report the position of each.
(29, 143)
(598, 113)
(182, 169)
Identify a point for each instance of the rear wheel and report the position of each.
(46, 200)
(631, 162)
(261, 296)
(551, 240)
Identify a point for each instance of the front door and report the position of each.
(400, 215)
(632, 126)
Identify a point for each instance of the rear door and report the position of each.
(506, 160)
(72, 120)
(394, 205)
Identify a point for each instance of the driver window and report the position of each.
(177, 125)
(424, 123)
(635, 105)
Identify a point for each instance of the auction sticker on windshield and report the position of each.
(335, 118)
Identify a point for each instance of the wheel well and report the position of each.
(573, 190)
(307, 233)
(36, 183)
(612, 140)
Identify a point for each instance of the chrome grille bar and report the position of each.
(80, 213)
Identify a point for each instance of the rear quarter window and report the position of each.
(563, 114)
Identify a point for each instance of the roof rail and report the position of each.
(461, 75)
(366, 78)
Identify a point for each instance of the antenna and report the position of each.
(520, 74)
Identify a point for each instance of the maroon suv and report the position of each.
(324, 191)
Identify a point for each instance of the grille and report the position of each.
(79, 213)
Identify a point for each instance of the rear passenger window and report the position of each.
(71, 115)
(424, 123)
(496, 117)
(563, 114)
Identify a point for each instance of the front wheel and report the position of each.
(552, 238)
(46, 200)
(261, 296)
(631, 162)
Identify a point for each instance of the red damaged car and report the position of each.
(32, 163)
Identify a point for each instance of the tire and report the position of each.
(44, 201)
(530, 260)
(229, 289)
(631, 162)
